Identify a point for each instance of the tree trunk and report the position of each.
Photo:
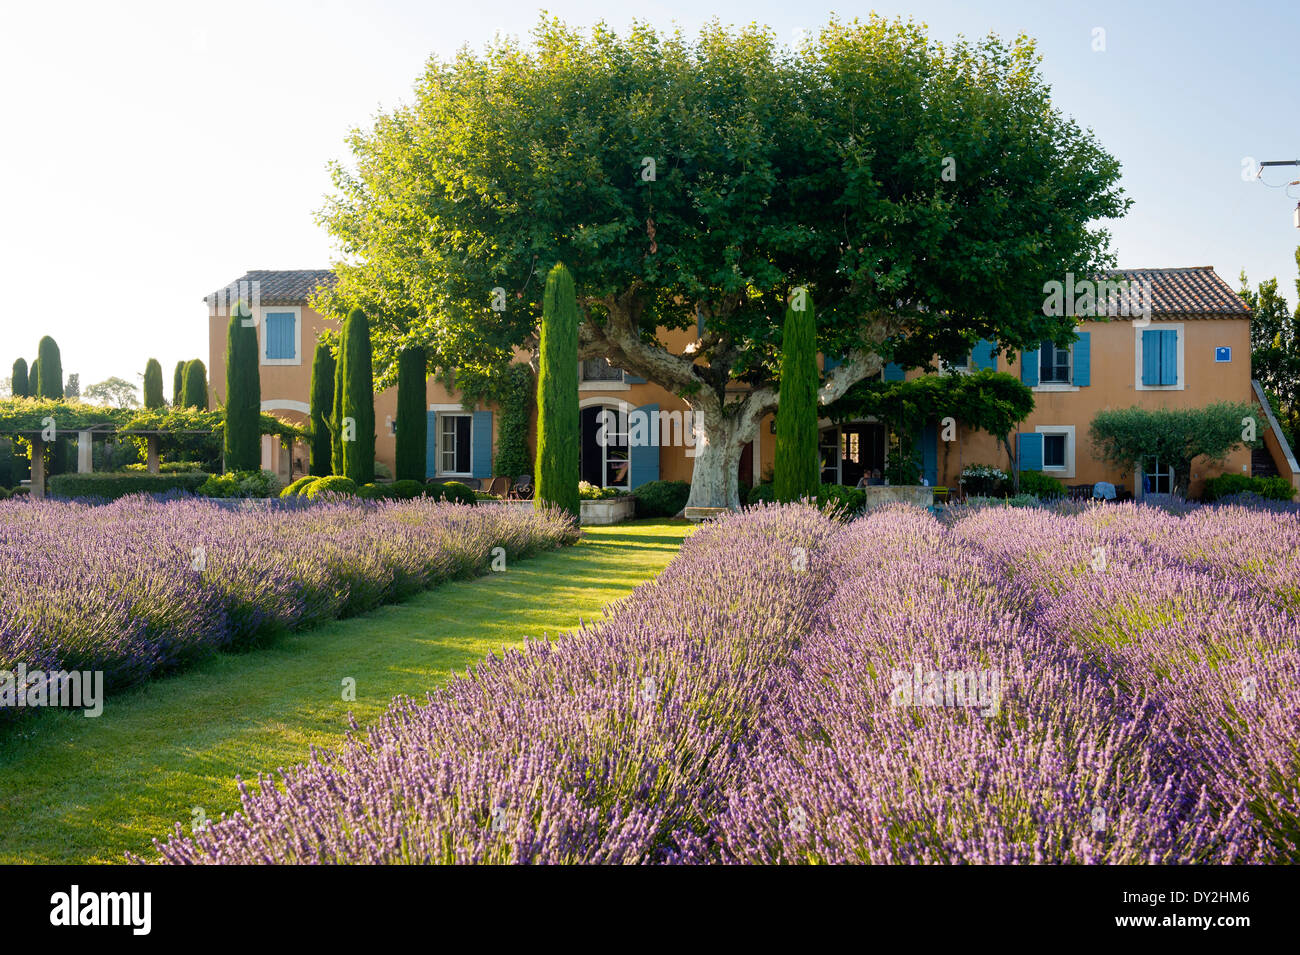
(718, 446)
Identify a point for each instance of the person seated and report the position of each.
(871, 479)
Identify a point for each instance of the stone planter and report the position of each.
(613, 510)
(916, 494)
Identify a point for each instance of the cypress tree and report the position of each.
(195, 388)
(798, 464)
(412, 439)
(355, 400)
(322, 408)
(153, 384)
(243, 394)
(18, 384)
(49, 381)
(178, 385)
(557, 395)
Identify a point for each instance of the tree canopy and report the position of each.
(922, 192)
(1178, 436)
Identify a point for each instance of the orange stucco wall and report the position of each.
(1113, 385)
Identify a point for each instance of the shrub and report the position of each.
(153, 384)
(243, 439)
(49, 382)
(19, 385)
(297, 487)
(240, 484)
(114, 485)
(384, 473)
(761, 494)
(334, 484)
(354, 398)
(195, 388)
(516, 400)
(661, 498)
(983, 480)
(4, 494)
(590, 492)
(20, 491)
(798, 467)
(1040, 485)
(1271, 488)
(452, 491)
(840, 501)
(412, 374)
(322, 403)
(901, 467)
(557, 396)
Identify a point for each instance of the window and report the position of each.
(454, 443)
(280, 336)
(1156, 480)
(1054, 448)
(617, 454)
(1057, 450)
(1053, 365)
(599, 369)
(1159, 358)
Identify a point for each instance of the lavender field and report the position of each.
(1120, 685)
(141, 587)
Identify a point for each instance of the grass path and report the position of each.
(74, 789)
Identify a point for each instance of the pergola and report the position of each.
(18, 418)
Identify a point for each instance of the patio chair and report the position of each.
(498, 487)
(941, 494)
(523, 488)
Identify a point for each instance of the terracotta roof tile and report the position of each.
(1197, 290)
(286, 287)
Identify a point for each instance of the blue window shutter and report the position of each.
(699, 323)
(431, 446)
(1168, 356)
(279, 335)
(1151, 356)
(1029, 448)
(982, 356)
(643, 456)
(1029, 367)
(930, 453)
(894, 372)
(1083, 360)
(480, 448)
(829, 363)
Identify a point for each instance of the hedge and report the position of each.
(298, 486)
(1271, 488)
(334, 484)
(661, 498)
(118, 484)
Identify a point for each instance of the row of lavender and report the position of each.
(894, 691)
(140, 587)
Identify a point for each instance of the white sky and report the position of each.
(152, 152)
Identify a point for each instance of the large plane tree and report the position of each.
(921, 192)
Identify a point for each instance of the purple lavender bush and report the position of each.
(140, 587)
(1108, 685)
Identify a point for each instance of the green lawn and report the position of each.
(74, 789)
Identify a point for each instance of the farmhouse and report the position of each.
(1184, 343)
